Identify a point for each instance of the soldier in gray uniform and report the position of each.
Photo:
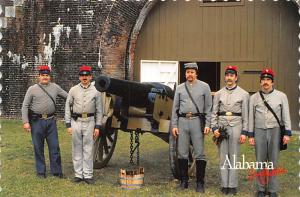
(230, 110)
(264, 130)
(188, 122)
(83, 117)
(38, 118)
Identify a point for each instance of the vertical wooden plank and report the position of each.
(268, 7)
(199, 32)
(208, 32)
(285, 42)
(251, 25)
(259, 29)
(219, 34)
(237, 33)
(194, 26)
(227, 32)
(275, 29)
(155, 26)
(190, 26)
(180, 29)
(171, 24)
(244, 31)
(162, 30)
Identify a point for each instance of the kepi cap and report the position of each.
(267, 73)
(192, 65)
(231, 69)
(85, 70)
(44, 69)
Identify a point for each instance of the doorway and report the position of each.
(209, 72)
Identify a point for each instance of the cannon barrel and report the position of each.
(133, 93)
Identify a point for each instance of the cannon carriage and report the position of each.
(136, 108)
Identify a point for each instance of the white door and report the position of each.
(165, 72)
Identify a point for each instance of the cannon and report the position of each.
(136, 108)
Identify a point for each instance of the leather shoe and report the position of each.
(260, 194)
(232, 191)
(77, 180)
(273, 194)
(89, 181)
(224, 190)
(60, 175)
(200, 187)
(183, 185)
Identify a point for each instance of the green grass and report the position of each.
(18, 171)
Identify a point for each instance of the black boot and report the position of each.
(183, 173)
(200, 174)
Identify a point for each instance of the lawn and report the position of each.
(18, 172)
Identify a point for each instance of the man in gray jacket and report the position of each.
(83, 116)
(189, 117)
(264, 130)
(38, 118)
(230, 111)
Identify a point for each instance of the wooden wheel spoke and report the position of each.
(105, 146)
(110, 138)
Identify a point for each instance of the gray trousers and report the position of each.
(228, 149)
(267, 150)
(190, 129)
(82, 147)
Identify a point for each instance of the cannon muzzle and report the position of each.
(133, 93)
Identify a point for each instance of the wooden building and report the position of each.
(250, 34)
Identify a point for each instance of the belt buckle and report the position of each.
(189, 115)
(228, 113)
(44, 116)
(84, 115)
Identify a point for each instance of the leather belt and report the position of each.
(228, 113)
(84, 115)
(189, 115)
(43, 116)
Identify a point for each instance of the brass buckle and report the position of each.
(189, 115)
(228, 113)
(44, 116)
(84, 115)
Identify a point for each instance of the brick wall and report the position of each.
(65, 35)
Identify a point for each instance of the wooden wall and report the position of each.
(252, 35)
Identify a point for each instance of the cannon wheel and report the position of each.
(105, 144)
(173, 157)
(104, 147)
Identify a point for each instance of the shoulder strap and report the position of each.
(186, 88)
(269, 107)
(47, 94)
